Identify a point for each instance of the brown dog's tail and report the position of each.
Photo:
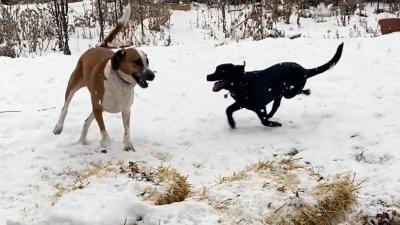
(328, 65)
(122, 23)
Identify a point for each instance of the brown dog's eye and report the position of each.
(138, 62)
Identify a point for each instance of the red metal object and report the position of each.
(389, 25)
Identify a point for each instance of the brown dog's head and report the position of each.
(133, 64)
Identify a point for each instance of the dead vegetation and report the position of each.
(26, 30)
(82, 179)
(178, 188)
(390, 217)
(167, 185)
(263, 19)
(334, 197)
(276, 170)
(45, 25)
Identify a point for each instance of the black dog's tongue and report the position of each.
(218, 86)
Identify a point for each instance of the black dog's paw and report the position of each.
(272, 124)
(232, 123)
(306, 92)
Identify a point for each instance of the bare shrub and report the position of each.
(29, 30)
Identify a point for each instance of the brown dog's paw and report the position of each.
(129, 148)
(57, 130)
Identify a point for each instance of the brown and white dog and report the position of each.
(110, 77)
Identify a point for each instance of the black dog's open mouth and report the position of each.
(219, 85)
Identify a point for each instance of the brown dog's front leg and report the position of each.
(128, 146)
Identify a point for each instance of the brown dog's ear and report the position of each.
(117, 58)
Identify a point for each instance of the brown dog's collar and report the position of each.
(136, 78)
(123, 80)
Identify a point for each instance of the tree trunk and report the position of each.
(289, 13)
(64, 20)
(59, 30)
(141, 10)
(298, 20)
(377, 7)
(120, 7)
(101, 21)
(60, 14)
(115, 12)
(223, 6)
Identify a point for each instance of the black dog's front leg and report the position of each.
(306, 92)
(275, 106)
(262, 114)
(229, 111)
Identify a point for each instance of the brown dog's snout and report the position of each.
(149, 75)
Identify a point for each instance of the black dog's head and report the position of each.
(225, 75)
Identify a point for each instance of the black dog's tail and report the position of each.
(328, 65)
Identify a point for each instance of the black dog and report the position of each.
(254, 90)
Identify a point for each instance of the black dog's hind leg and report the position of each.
(262, 114)
(275, 106)
(229, 111)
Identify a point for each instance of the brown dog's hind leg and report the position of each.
(86, 125)
(98, 115)
(74, 84)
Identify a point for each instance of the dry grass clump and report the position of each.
(61, 191)
(277, 171)
(242, 174)
(203, 195)
(306, 198)
(333, 199)
(93, 170)
(178, 188)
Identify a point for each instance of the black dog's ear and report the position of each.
(244, 65)
(240, 68)
(117, 58)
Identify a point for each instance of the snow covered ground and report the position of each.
(179, 121)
